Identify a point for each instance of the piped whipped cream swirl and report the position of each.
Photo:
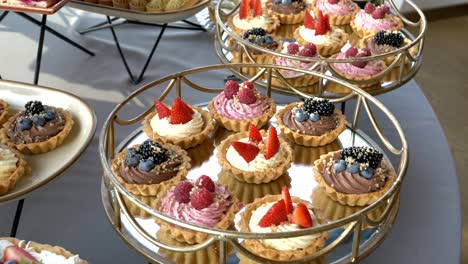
(252, 22)
(343, 7)
(372, 67)
(8, 161)
(233, 109)
(175, 131)
(332, 37)
(260, 163)
(366, 21)
(293, 63)
(283, 244)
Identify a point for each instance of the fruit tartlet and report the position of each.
(145, 169)
(14, 251)
(340, 12)
(327, 39)
(354, 176)
(386, 41)
(281, 213)
(255, 156)
(4, 112)
(12, 168)
(358, 70)
(182, 125)
(313, 123)
(373, 19)
(201, 202)
(38, 129)
(238, 106)
(250, 16)
(295, 78)
(288, 11)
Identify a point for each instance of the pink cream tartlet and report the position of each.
(373, 19)
(340, 12)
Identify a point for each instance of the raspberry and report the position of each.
(385, 9)
(333, 2)
(248, 85)
(231, 89)
(369, 8)
(293, 48)
(351, 52)
(182, 191)
(366, 51)
(205, 182)
(201, 199)
(311, 46)
(378, 14)
(359, 64)
(246, 96)
(306, 52)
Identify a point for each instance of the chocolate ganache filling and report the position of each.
(150, 163)
(37, 123)
(294, 7)
(355, 174)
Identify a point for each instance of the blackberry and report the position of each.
(154, 151)
(390, 38)
(254, 32)
(33, 108)
(322, 107)
(363, 155)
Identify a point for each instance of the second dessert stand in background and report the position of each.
(354, 233)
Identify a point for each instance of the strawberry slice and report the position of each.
(327, 22)
(257, 8)
(179, 113)
(275, 215)
(244, 9)
(254, 134)
(287, 200)
(161, 109)
(301, 216)
(272, 143)
(322, 26)
(247, 151)
(309, 21)
(15, 253)
(186, 106)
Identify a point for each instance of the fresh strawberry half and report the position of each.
(301, 216)
(254, 134)
(322, 26)
(257, 8)
(275, 215)
(247, 151)
(244, 9)
(287, 200)
(309, 21)
(185, 105)
(179, 113)
(272, 143)
(162, 109)
(15, 253)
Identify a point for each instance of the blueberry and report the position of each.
(368, 173)
(131, 152)
(301, 116)
(268, 39)
(146, 165)
(339, 166)
(277, 1)
(286, 2)
(38, 120)
(353, 167)
(294, 110)
(132, 160)
(49, 115)
(10, 262)
(314, 117)
(24, 124)
(259, 40)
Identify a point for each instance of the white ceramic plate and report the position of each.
(45, 167)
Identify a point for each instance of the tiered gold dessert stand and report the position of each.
(354, 231)
(404, 67)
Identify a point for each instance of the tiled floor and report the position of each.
(443, 78)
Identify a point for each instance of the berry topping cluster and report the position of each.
(35, 114)
(313, 108)
(362, 160)
(180, 113)
(250, 8)
(353, 52)
(309, 50)
(321, 25)
(257, 36)
(199, 194)
(376, 12)
(392, 39)
(245, 92)
(146, 156)
(249, 150)
(284, 211)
